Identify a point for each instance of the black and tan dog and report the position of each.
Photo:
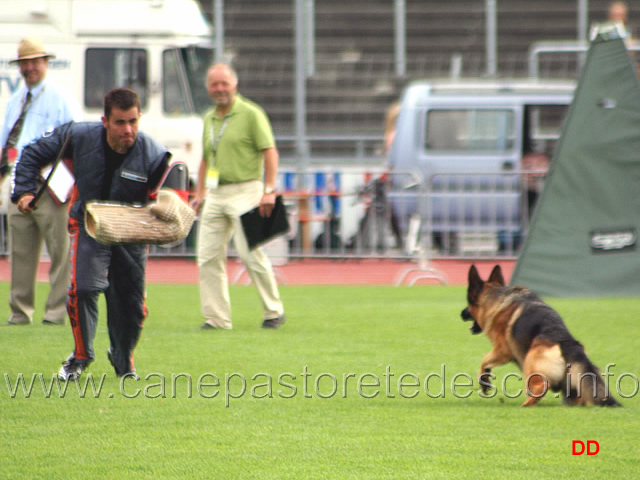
(525, 330)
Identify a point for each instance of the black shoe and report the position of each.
(71, 369)
(276, 322)
(132, 375)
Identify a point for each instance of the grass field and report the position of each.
(318, 399)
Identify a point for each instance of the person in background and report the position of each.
(535, 165)
(390, 119)
(238, 172)
(38, 106)
(112, 161)
(619, 12)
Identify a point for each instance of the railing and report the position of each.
(357, 212)
(561, 59)
(369, 213)
(479, 214)
(333, 149)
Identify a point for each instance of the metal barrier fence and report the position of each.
(554, 59)
(480, 214)
(365, 213)
(369, 213)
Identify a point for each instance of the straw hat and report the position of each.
(30, 48)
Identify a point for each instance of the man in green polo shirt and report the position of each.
(237, 173)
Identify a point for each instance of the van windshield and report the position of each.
(184, 72)
(107, 68)
(476, 130)
(183, 76)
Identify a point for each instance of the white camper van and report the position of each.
(160, 48)
(463, 140)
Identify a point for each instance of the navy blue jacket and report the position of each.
(86, 149)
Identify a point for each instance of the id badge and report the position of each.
(213, 176)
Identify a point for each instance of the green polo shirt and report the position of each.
(247, 133)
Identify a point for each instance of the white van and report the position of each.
(456, 155)
(160, 48)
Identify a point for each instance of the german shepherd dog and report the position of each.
(529, 332)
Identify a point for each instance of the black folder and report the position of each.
(259, 230)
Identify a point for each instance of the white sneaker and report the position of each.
(71, 369)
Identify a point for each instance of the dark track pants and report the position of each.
(119, 272)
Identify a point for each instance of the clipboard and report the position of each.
(60, 181)
(45, 187)
(259, 230)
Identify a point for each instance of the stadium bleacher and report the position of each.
(354, 79)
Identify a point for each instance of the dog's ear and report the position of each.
(474, 276)
(496, 276)
(475, 285)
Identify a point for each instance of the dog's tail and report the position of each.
(584, 384)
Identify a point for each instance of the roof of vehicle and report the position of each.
(460, 91)
(56, 20)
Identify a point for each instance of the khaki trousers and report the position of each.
(219, 221)
(26, 234)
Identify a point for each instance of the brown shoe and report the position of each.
(15, 323)
(208, 326)
(51, 322)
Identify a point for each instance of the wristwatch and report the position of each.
(269, 190)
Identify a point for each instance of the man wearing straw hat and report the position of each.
(36, 107)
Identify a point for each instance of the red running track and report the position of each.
(312, 271)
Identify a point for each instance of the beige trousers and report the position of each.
(26, 234)
(219, 221)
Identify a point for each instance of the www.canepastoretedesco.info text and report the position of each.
(233, 386)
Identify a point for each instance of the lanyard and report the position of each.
(215, 140)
